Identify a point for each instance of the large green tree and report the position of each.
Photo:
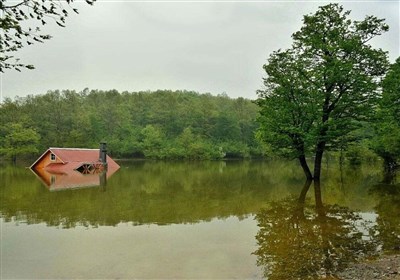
(21, 22)
(320, 88)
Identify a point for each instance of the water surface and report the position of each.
(177, 219)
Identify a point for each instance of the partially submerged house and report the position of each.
(61, 168)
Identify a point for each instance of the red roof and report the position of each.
(73, 158)
(76, 155)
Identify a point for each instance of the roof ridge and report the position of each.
(86, 149)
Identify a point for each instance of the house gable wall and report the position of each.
(44, 176)
(45, 160)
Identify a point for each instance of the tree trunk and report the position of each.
(318, 160)
(388, 177)
(318, 196)
(317, 175)
(304, 191)
(389, 163)
(14, 159)
(306, 168)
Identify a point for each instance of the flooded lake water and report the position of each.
(213, 220)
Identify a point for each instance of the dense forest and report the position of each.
(161, 124)
(168, 124)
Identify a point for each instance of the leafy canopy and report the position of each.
(386, 140)
(18, 140)
(319, 89)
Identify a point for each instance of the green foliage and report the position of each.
(159, 125)
(320, 89)
(15, 140)
(287, 113)
(153, 141)
(358, 153)
(386, 141)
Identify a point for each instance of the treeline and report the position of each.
(162, 124)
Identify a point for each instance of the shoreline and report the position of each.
(383, 267)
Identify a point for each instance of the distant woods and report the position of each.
(168, 124)
(160, 125)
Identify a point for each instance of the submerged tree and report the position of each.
(21, 23)
(317, 91)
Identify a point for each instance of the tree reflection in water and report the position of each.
(386, 231)
(299, 241)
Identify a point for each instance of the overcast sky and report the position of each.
(205, 46)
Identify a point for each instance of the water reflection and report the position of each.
(150, 193)
(56, 181)
(173, 193)
(297, 240)
(209, 209)
(386, 231)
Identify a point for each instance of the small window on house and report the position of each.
(52, 179)
(52, 157)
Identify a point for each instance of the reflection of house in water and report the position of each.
(66, 168)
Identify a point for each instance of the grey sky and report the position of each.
(205, 46)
